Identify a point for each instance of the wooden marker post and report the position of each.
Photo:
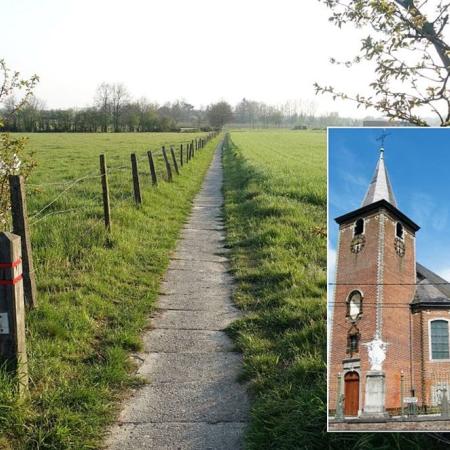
(181, 155)
(12, 308)
(105, 190)
(136, 185)
(174, 159)
(152, 168)
(166, 161)
(20, 227)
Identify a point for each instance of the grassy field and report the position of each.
(95, 291)
(275, 209)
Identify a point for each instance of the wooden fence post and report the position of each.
(181, 155)
(20, 227)
(152, 168)
(193, 149)
(105, 190)
(168, 169)
(136, 185)
(12, 307)
(174, 159)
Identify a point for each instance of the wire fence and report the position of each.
(186, 151)
(87, 196)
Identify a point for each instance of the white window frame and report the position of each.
(430, 353)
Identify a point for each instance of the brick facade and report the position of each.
(376, 263)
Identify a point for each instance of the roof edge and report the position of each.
(377, 205)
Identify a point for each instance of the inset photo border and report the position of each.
(388, 266)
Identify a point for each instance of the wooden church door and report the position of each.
(351, 399)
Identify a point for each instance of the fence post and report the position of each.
(12, 308)
(105, 190)
(193, 149)
(20, 227)
(168, 169)
(152, 167)
(136, 186)
(181, 155)
(174, 159)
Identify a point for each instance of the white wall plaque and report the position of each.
(4, 323)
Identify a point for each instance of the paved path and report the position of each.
(193, 400)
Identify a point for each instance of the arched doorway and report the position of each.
(351, 393)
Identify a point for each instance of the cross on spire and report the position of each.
(382, 138)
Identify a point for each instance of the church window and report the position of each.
(354, 344)
(359, 227)
(399, 230)
(439, 339)
(353, 338)
(354, 305)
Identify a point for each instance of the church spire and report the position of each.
(380, 187)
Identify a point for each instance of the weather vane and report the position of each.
(382, 138)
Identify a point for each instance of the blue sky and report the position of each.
(418, 165)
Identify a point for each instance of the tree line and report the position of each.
(114, 110)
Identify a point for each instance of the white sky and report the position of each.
(199, 50)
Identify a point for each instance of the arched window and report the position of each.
(439, 339)
(354, 305)
(399, 230)
(359, 227)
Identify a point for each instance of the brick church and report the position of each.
(389, 336)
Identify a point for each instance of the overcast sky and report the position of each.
(199, 50)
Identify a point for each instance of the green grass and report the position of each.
(96, 291)
(275, 210)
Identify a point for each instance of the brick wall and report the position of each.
(359, 272)
(433, 371)
(399, 289)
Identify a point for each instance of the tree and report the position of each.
(412, 59)
(219, 114)
(103, 98)
(120, 98)
(13, 160)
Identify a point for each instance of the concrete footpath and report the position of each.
(193, 399)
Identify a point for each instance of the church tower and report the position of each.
(375, 277)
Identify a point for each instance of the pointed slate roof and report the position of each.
(380, 187)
